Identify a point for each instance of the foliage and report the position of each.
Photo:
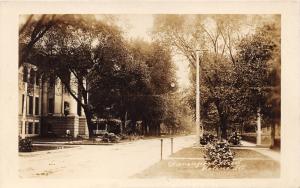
(25, 145)
(76, 49)
(91, 57)
(34, 28)
(234, 139)
(225, 92)
(151, 103)
(110, 137)
(207, 138)
(216, 35)
(259, 78)
(218, 155)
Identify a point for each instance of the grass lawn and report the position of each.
(189, 163)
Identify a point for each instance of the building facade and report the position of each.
(46, 108)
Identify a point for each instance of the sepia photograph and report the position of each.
(149, 95)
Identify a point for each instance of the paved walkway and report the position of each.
(247, 144)
(273, 154)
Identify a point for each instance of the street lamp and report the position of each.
(172, 84)
(198, 121)
(171, 102)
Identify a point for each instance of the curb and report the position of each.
(70, 144)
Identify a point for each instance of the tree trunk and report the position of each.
(88, 116)
(158, 129)
(218, 128)
(146, 128)
(223, 125)
(273, 125)
(125, 121)
(223, 119)
(151, 128)
(145, 124)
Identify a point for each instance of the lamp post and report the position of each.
(172, 105)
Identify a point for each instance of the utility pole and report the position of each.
(197, 98)
(198, 120)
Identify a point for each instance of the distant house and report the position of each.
(46, 108)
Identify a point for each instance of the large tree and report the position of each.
(259, 72)
(75, 50)
(136, 89)
(151, 105)
(219, 35)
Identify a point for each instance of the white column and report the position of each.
(24, 106)
(258, 133)
(33, 94)
(44, 98)
(62, 100)
(197, 99)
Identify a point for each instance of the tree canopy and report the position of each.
(107, 75)
(228, 43)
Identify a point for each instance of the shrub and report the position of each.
(113, 138)
(206, 138)
(123, 136)
(110, 137)
(25, 145)
(234, 139)
(218, 155)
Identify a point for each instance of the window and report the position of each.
(52, 81)
(20, 128)
(37, 79)
(36, 128)
(51, 106)
(66, 108)
(25, 73)
(78, 109)
(32, 76)
(22, 103)
(30, 105)
(30, 126)
(26, 127)
(37, 106)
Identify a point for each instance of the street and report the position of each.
(99, 161)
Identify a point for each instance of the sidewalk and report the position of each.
(274, 154)
(247, 144)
